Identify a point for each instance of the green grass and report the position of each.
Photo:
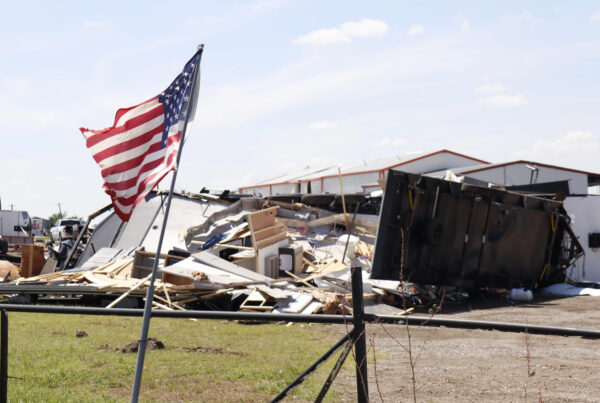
(202, 360)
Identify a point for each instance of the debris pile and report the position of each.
(295, 253)
(252, 255)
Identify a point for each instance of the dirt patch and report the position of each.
(459, 365)
(209, 350)
(152, 344)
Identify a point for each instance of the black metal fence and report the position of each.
(354, 338)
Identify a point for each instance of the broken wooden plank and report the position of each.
(262, 218)
(267, 232)
(271, 240)
(133, 288)
(171, 304)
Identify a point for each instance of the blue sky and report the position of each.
(289, 84)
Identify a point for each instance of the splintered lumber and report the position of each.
(133, 288)
(171, 304)
(301, 280)
(363, 223)
(364, 249)
(161, 306)
(164, 286)
(211, 294)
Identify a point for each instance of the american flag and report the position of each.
(141, 147)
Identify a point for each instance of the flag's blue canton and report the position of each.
(176, 98)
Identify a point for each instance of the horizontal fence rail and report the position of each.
(302, 318)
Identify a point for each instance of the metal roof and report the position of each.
(354, 167)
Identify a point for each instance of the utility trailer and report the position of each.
(437, 232)
(15, 227)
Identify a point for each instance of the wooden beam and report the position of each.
(133, 288)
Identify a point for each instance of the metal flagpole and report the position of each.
(139, 366)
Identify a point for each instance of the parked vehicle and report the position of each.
(65, 228)
(15, 226)
(15, 223)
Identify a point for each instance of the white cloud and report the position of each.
(465, 25)
(595, 17)
(387, 142)
(322, 125)
(344, 33)
(490, 88)
(416, 30)
(365, 28)
(504, 101)
(331, 36)
(314, 82)
(572, 150)
(523, 16)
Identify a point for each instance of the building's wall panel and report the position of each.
(519, 174)
(352, 183)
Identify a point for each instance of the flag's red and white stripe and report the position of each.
(130, 153)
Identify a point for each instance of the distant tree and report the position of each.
(55, 217)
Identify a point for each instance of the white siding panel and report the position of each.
(284, 188)
(519, 174)
(352, 183)
(315, 186)
(585, 220)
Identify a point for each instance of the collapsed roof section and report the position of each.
(143, 228)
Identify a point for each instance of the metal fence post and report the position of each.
(360, 343)
(3, 356)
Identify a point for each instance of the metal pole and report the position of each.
(334, 371)
(313, 367)
(3, 356)
(360, 343)
(139, 366)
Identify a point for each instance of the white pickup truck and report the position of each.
(65, 228)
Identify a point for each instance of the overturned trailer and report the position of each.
(437, 232)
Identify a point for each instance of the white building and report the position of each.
(522, 172)
(358, 178)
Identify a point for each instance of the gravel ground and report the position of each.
(456, 365)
